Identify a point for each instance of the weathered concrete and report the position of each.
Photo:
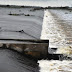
(34, 48)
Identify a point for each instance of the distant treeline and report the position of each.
(36, 7)
(65, 7)
(16, 6)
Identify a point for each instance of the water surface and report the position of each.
(11, 61)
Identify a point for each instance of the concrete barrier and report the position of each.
(34, 48)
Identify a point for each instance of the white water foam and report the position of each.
(55, 66)
(55, 34)
(51, 31)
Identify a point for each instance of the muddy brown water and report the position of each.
(11, 61)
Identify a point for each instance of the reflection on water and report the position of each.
(11, 61)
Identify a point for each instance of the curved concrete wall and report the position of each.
(36, 49)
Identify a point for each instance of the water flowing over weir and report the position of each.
(57, 28)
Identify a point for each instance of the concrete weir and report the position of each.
(37, 49)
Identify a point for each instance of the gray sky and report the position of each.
(38, 2)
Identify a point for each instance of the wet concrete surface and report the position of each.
(11, 61)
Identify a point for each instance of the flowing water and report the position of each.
(11, 61)
(55, 66)
(57, 27)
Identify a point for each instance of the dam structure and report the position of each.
(15, 30)
(20, 28)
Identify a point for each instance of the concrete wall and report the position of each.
(37, 49)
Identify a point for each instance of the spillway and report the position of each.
(57, 28)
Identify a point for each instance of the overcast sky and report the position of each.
(38, 2)
(35, 0)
